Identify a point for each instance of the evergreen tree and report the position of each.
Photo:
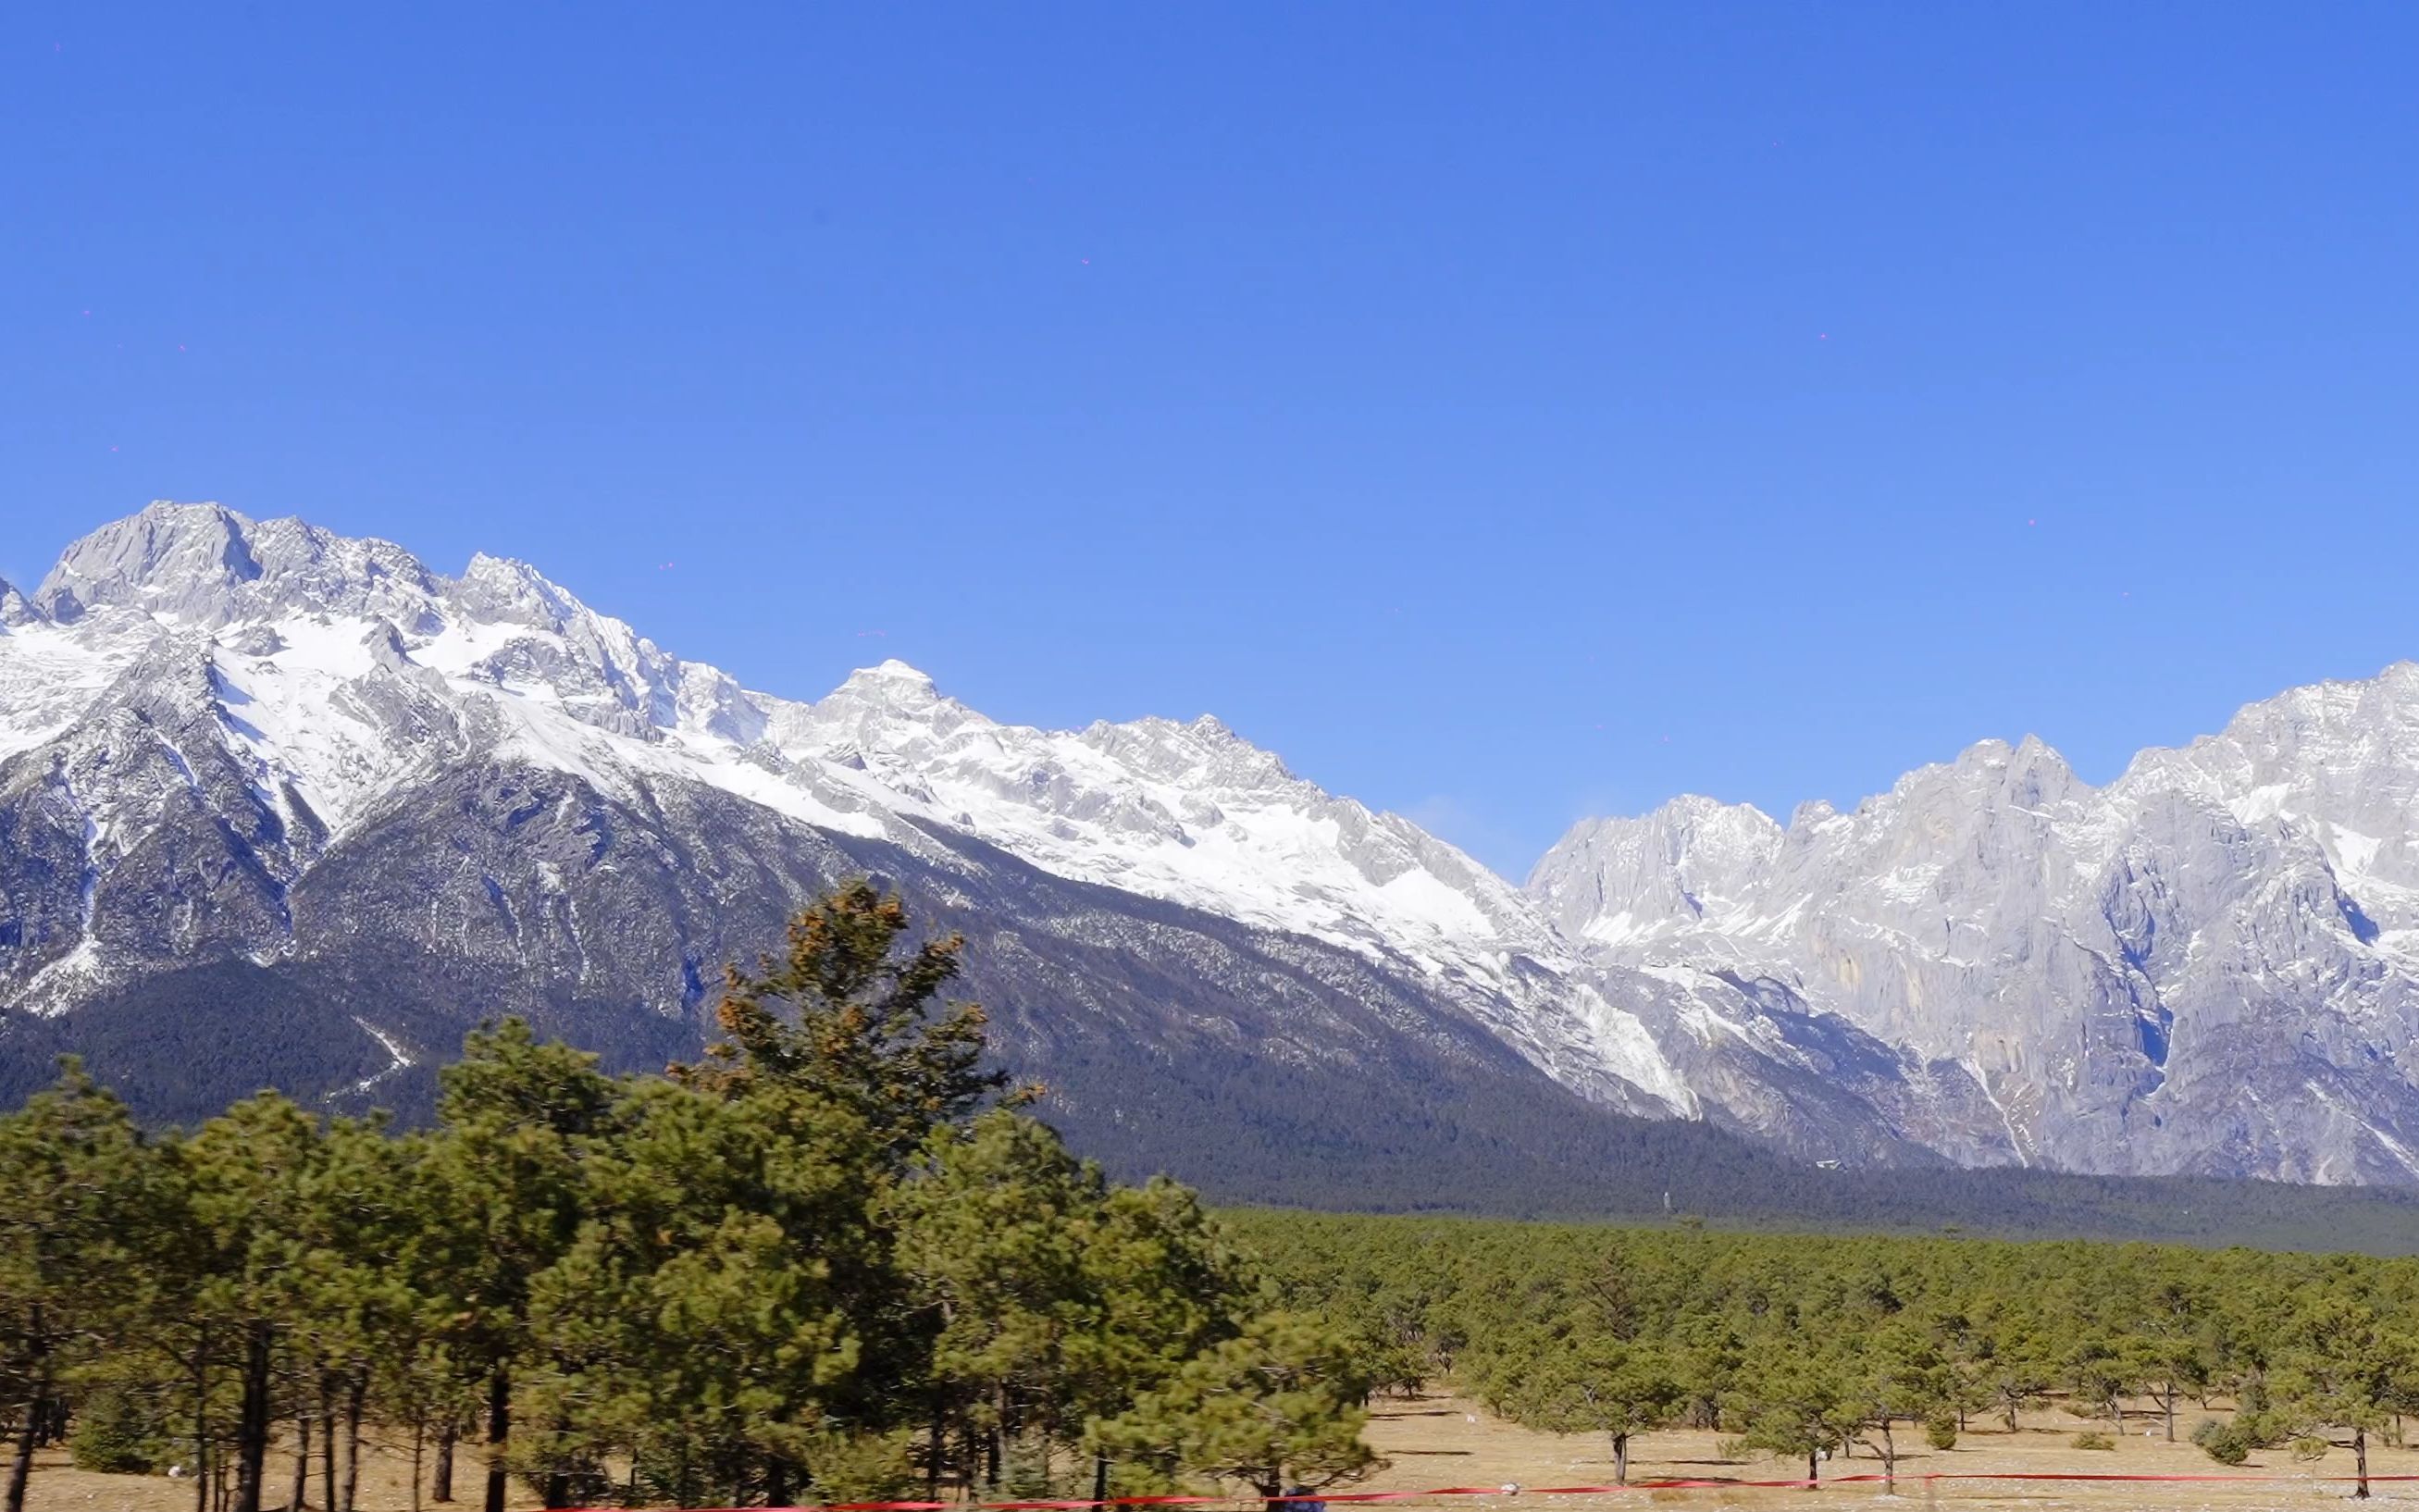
(2345, 1366)
(73, 1209)
(847, 1014)
(506, 1187)
(1277, 1406)
(1803, 1404)
(1578, 1378)
(248, 1176)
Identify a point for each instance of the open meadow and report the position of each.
(1431, 1440)
(1450, 1440)
(1447, 1441)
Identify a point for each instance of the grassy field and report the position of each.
(1444, 1441)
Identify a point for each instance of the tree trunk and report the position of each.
(499, 1430)
(777, 1481)
(939, 1447)
(1620, 1459)
(419, 1437)
(441, 1477)
(2171, 1411)
(252, 1420)
(1889, 1460)
(992, 1451)
(1814, 1468)
(354, 1390)
(302, 1461)
(2360, 1460)
(1101, 1479)
(202, 1424)
(327, 1442)
(21, 1462)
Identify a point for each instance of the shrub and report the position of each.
(118, 1433)
(2226, 1444)
(2093, 1441)
(1941, 1432)
(874, 1467)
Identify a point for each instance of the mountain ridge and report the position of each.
(211, 725)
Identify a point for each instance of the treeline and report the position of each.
(1802, 1346)
(831, 1260)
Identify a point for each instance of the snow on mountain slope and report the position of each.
(2210, 964)
(2205, 966)
(338, 674)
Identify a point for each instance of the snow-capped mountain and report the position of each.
(276, 804)
(257, 748)
(2211, 964)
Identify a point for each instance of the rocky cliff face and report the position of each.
(281, 804)
(2206, 966)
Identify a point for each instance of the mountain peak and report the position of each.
(505, 588)
(14, 609)
(891, 685)
(891, 670)
(169, 557)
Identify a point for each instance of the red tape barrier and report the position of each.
(1860, 1478)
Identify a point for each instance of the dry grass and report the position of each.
(1442, 1441)
(386, 1484)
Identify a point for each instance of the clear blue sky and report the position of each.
(1506, 412)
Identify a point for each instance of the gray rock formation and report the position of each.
(2206, 966)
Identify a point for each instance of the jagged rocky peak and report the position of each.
(183, 559)
(1615, 879)
(204, 565)
(15, 608)
(500, 591)
(2210, 964)
(891, 709)
(1203, 753)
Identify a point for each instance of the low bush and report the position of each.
(118, 1433)
(2226, 1443)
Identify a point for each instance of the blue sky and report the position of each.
(1504, 412)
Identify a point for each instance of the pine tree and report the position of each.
(1277, 1406)
(992, 1230)
(247, 1176)
(2345, 1365)
(80, 1190)
(1803, 1404)
(506, 1187)
(846, 1013)
(1578, 1377)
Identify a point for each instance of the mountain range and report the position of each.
(282, 806)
